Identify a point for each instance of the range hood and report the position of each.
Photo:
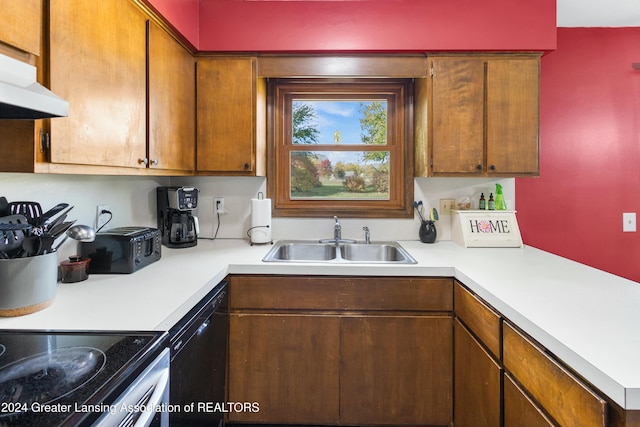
(22, 97)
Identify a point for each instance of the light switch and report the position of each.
(628, 221)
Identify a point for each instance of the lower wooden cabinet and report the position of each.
(395, 370)
(288, 364)
(342, 351)
(477, 390)
(519, 409)
(563, 396)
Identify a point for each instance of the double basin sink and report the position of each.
(332, 252)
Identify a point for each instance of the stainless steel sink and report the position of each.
(307, 251)
(301, 251)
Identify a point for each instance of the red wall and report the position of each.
(183, 16)
(376, 25)
(362, 26)
(589, 151)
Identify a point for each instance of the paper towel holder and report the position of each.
(270, 242)
(268, 226)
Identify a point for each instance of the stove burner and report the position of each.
(46, 377)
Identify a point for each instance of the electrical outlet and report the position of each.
(629, 222)
(101, 219)
(218, 205)
(446, 206)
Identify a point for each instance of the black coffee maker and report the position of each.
(176, 222)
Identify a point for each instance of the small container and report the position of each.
(482, 205)
(492, 202)
(427, 232)
(74, 270)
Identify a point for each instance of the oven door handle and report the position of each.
(155, 400)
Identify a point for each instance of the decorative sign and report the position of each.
(486, 229)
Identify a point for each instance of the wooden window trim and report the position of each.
(400, 144)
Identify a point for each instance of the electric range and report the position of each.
(66, 378)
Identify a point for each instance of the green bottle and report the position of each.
(500, 204)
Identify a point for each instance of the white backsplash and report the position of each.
(132, 200)
(238, 192)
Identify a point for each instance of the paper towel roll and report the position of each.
(260, 220)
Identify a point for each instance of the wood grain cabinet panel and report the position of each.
(21, 24)
(342, 293)
(482, 116)
(98, 64)
(519, 409)
(172, 103)
(564, 397)
(230, 120)
(479, 318)
(288, 364)
(477, 390)
(396, 370)
(342, 350)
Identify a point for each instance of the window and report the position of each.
(340, 147)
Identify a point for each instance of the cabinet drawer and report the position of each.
(561, 394)
(341, 293)
(519, 409)
(482, 320)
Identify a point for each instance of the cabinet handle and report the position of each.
(144, 161)
(493, 167)
(479, 167)
(246, 166)
(154, 162)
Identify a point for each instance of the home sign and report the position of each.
(485, 229)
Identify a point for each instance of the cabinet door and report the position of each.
(226, 105)
(564, 397)
(457, 115)
(513, 116)
(396, 370)
(288, 364)
(98, 64)
(477, 384)
(172, 103)
(519, 409)
(21, 24)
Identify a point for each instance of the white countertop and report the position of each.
(588, 318)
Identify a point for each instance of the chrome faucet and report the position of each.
(367, 235)
(337, 230)
(337, 234)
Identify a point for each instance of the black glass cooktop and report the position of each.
(68, 378)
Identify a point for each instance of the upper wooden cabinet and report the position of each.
(172, 103)
(478, 115)
(21, 24)
(231, 119)
(98, 64)
(131, 92)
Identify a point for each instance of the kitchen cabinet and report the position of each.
(519, 409)
(172, 103)
(395, 370)
(477, 367)
(131, 92)
(98, 64)
(21, 25)
(478, 377)
(557, 391)
(341, 350)
(481, 114)
(288, 363)
(231, 117)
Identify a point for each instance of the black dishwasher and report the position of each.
(198, 361)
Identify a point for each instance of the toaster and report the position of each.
(122, 250)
